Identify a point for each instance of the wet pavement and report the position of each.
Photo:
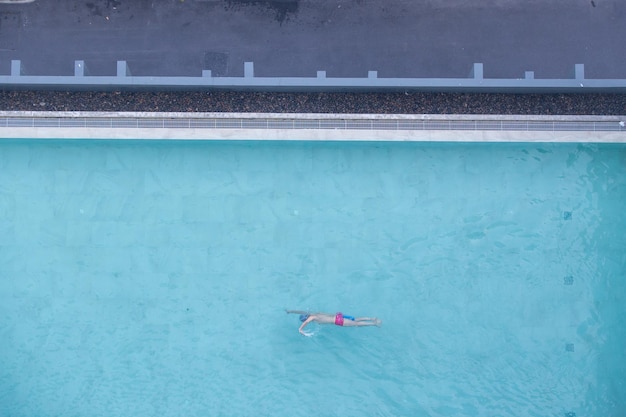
(397, 38)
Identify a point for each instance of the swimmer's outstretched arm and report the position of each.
(307, 321)
(297, 312)
(309, 313)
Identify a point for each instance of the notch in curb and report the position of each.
(248, 69)
(477, 71)
(579, 71)
(16, 68)
(80, 69)
(122, 69)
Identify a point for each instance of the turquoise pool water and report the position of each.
(150, 278)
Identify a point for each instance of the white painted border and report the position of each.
(326, 134)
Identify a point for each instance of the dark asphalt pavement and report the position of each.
(346, 38)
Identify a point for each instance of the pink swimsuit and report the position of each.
(339, 319)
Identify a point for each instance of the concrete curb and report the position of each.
(476, 82)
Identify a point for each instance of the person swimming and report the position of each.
(338, 319)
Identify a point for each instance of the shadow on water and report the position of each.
(281, 8)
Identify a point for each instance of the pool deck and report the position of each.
(311, 127)
(297, 38)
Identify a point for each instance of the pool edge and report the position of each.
(311, 127)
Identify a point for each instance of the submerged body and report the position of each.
(338, 319)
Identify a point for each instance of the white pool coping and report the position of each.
(311, 127)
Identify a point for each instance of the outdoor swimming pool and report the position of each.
(150, 278)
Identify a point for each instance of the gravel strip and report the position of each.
(385, 103)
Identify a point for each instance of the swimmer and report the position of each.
(338, 319)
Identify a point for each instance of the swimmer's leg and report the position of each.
(373, 320)
(362, 323)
